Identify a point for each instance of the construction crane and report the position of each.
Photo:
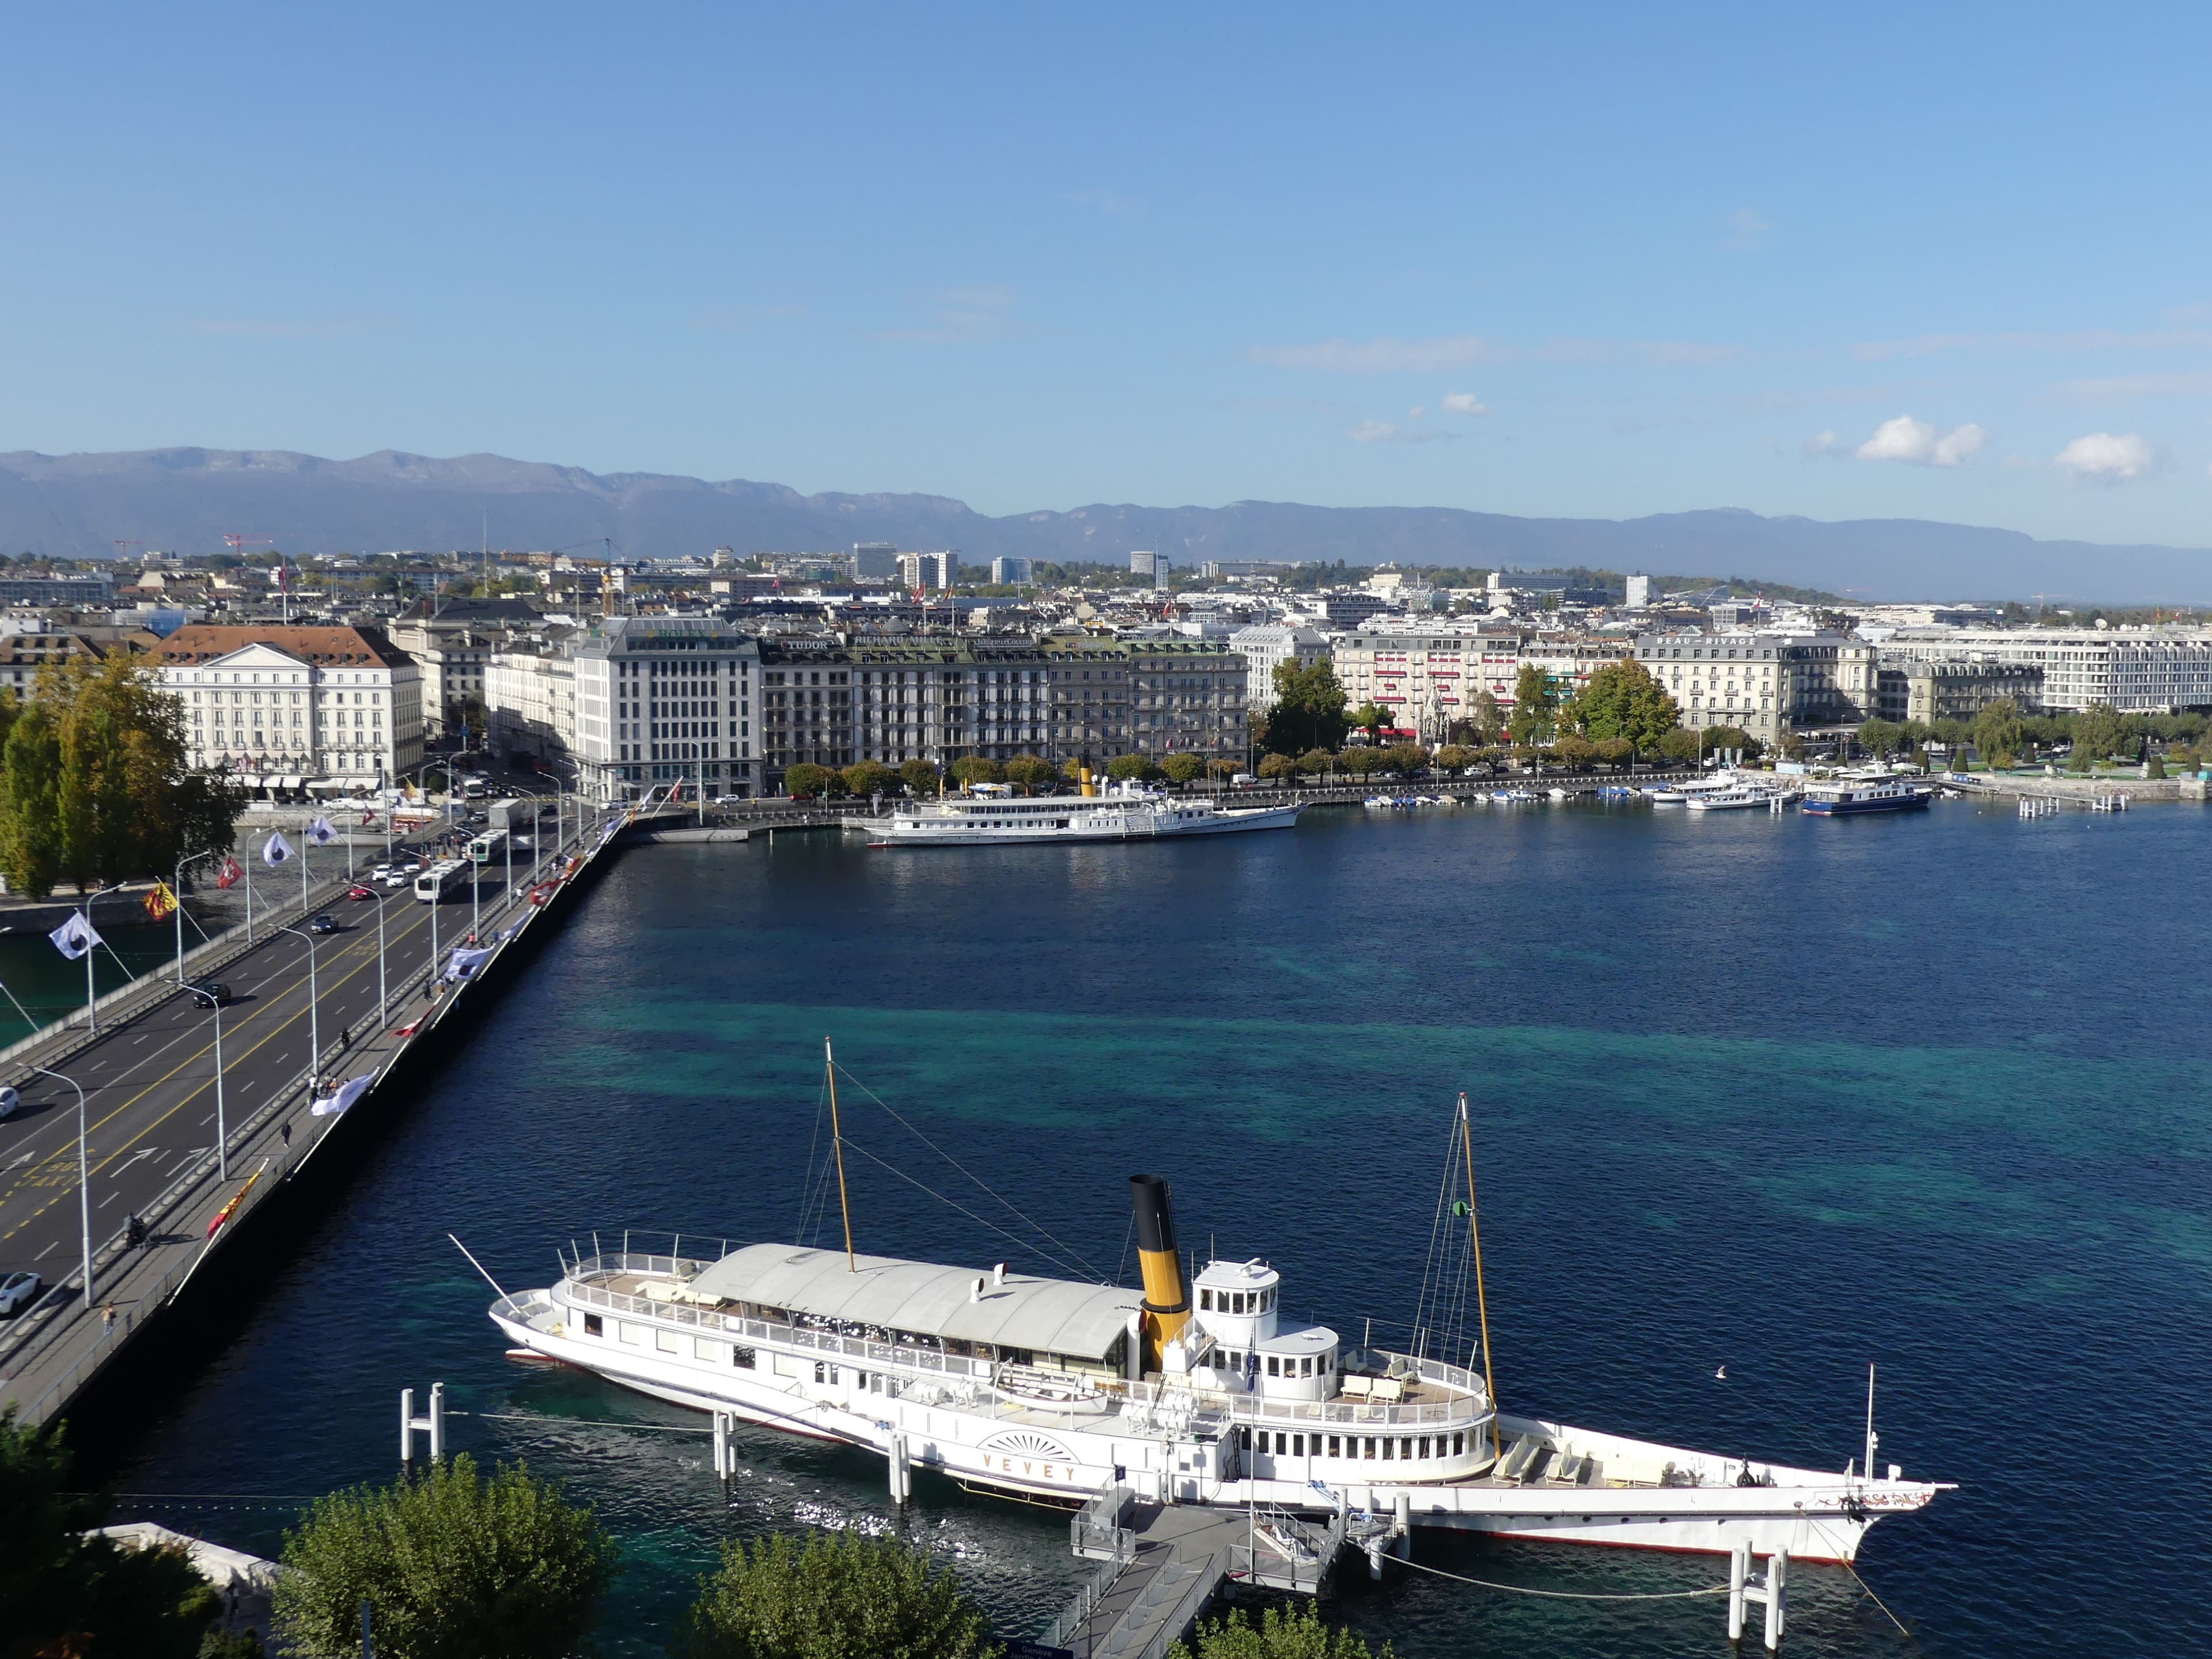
(123, 548)
(238, 541)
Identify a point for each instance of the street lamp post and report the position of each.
(221, 1123)
(177, 892)
(380, 957)
(91, 1001)
(83, 1178)
(314, 1027)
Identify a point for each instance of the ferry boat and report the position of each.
(1132, 815)
(1741, 797)
(1887, 794)
(1204, 1392)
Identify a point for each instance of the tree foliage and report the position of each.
(1622, 699)
(1291, 1632)
(62, 1592)
(838, 1595)
(1182, 769)
(1880, 737)
(1279, 768)
(919, 776)
(1999, 732)
(1309, 711)
(806, 781)
(1535, 706)
(96, 787)
(2101, 731)
(975, 768)
(454, 1564)
(1129, 769)
(1371, 717)
(868, 777)
(1031, 774)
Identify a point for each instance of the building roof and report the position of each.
(1046, 1316)
(325, 647)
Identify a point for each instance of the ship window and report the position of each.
(1244, 1439)
(744, 1358)
(630, 1333)
(1459, 1444)
(1336, 1445)
(1424, 1446)
(1368, 1449)
(1405, 1448)
(1388, 1444)
(1298, 1445)
(1206, 1302)
(704, 1347)
(664, 1342)
(594, 1326)
(1239, 1298)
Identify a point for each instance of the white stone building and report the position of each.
(530, 704)
(1264, 646)
(1767, 685)
(664, 699)
(294, 706)
(2136, 671)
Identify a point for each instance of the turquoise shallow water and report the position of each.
(1782, 1095)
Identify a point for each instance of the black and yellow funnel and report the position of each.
(1167, 1301)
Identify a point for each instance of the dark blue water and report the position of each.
(1785, 1095)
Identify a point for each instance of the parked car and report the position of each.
(323, 922)
(18, 1291)
(212, 991)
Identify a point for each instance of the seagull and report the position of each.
(1720, 1374)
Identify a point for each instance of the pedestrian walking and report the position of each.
(286, 1132)
(107, 1319)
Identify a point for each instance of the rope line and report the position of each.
(1012, 1238)
(1850, 1567)
(580, 1422)
(1066, 1250)
(1568, 1595)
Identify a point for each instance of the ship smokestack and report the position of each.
(1167, 1302)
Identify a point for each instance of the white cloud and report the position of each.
(1417, 413)
(1918, 444)
(1464, 403)
(2108, 457)
(1747, 229)
(1825, 443)
(1387, 356)
(1381, 432)
(969, 314)
(2090, 339)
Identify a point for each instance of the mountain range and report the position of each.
(187, 500)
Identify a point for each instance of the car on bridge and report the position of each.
(18, 1291)
(358, 892)
(212, 993)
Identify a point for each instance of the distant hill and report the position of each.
(186, 498)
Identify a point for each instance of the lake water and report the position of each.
(1784, 1094)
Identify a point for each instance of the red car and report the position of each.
(359, 893)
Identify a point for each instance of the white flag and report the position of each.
(277, 850)
(352, 1089)
(75, 936)
(463, 964)
(321, 832)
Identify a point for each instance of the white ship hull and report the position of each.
(1078, 821)
(991, 1425)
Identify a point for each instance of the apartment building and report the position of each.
(1930, 691)
(1265, 646)
(530, 705)
(26, 646)
(923, 572)
(663, 700)
(1429, 682)
(2136, 671)
(1769, 684)
(295, 705)
(453, 643)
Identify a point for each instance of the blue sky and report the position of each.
(1942, 262)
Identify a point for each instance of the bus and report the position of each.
(441, 879)
(487, 847)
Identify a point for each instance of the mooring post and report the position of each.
(1402, 1540)
(437, 1422)
(722, 1447)
(1739, 1572)
(1777, 1597)
(406, 1434)
(901, 1469)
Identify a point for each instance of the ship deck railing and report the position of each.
(1215, 1405)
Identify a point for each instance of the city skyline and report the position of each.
(1580, 265)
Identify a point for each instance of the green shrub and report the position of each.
(837, 1595)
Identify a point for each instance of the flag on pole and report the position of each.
(161, 903)
(75, 937)
(463, 964)
(228, 875)
(277, 850)
(321, 832)
(343, 1096)
(368, 820)
(236, 1198)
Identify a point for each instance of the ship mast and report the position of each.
(837, 1147)
(1475, 1236)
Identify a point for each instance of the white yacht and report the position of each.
(1198, 1393)
(987, 819)
(1741, 796)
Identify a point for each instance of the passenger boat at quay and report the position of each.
(996, 819)
(1868, 795)
(1189, 1391)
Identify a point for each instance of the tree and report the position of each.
(838, 1595)
(1361, 761)
(1182, 769)
(1535, 701)
(1455, 757)
(1880, 737)
(1370, 718)
(1031, 774)
(2098, 730)
(2155, 768)
(1624, 700)
(1404, 758)
(1489, 723)
(1731, 737)
(868, 777)
(30, 804)
(1315, 762)
(806, 781)
(1309, 711)
(63, 1592)
(1279, 768)
(921, 777)
(453, 1562)
(1129, 769)
(1293, 1632)
(1997, 731)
